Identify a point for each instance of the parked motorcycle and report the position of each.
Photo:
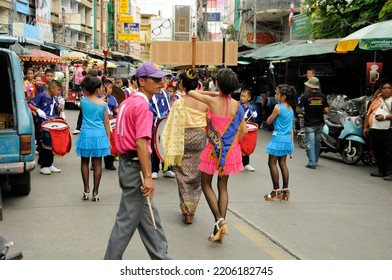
(4, 247)
(342, 132)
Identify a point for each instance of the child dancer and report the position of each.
(282, 141)
(222, 155)
(94, 137)
(245, 97)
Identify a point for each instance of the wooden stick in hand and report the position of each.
(149, 203)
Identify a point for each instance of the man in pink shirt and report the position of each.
(133, 138)
(79, 77)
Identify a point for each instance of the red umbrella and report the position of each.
(41, 56)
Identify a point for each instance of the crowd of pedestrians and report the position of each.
(201, 139)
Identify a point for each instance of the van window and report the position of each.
(5, 85)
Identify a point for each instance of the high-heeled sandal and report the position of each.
(274, 194)
(222, 230)
(285, 194)
(96, 197)
(86, 195)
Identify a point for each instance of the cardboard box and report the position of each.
(4, 120)
(10, 121)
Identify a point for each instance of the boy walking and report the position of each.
(250, 113)
(45, 105)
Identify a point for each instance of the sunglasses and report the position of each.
(157, 80)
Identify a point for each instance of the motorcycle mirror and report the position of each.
(356, 113)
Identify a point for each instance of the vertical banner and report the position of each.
(43, 18)
(124, 7)
(373, 72)
(182, 20)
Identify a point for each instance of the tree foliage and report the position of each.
(339, 18)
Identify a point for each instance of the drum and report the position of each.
(112, 123)
(119, 94)
(248, 143)
(56, 136)
(158, 145)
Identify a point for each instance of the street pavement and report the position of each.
(335, 212)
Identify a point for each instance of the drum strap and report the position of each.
(155, 101)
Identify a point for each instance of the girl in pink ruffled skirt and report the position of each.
(222, 155)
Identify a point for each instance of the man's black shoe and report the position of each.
(111, 167)
(377, 174)
(388, 178)
(310, 166)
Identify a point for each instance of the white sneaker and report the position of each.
(45, 171)
(76, 131)
(154, 175)
(53, 169)
(169, 174)
(249, 168)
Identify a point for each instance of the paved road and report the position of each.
(335, 212)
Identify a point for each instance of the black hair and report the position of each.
(99, 72)
(227, 81)
(49, 71)
(92, 72)
(107, 82)
(173, 87)
(133, 78)
(248, 91)
(289, 92)
(90, 84)
(189, 80)
(125, 82)
(30, 69)
(55, 83)
(385, 81)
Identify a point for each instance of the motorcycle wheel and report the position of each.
(354, 155)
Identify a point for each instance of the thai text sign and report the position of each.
(261, 38)
(124, 7)
(128, 37)
(126, 19)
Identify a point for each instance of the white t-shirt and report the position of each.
(384, 109)
(212, 86)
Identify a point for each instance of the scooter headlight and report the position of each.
(358, 122)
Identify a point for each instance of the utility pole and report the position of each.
(254, 25)
(62, 26)
(94, 24)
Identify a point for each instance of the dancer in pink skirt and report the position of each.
(222, 155)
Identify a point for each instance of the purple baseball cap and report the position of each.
(149, 69)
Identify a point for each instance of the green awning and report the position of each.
(293, 48)
(306, 48)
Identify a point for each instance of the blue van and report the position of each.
(17, 143)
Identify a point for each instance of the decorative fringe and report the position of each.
(173, 161)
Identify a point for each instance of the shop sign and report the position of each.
(261, 38)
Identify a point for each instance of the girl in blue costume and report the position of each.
(282, 141)
(94, 139)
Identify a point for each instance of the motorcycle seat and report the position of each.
(333, 125)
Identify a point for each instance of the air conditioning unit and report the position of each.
(81, 44)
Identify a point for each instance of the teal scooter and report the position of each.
(342, 134)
